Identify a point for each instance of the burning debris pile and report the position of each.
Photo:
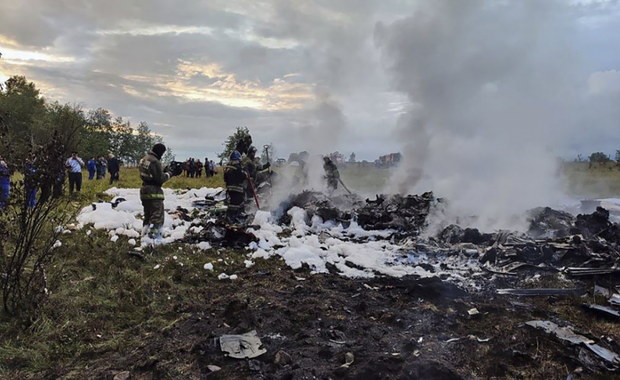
(403, 214)
(406, 214)
(559, 257)
(337, 209)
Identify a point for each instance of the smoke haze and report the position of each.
(494, 87)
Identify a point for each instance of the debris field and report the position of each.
(357, 290)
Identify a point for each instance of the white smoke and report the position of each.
(492, 85)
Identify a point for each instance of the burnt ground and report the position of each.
(395, 328)
(159, 315)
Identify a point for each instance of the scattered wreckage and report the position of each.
(559, 256)
(579, 249)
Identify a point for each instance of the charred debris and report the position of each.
(559, 256)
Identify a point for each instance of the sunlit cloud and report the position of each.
(208, 82)
(155, 30)
(17, 56)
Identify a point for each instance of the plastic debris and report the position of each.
(243, 346)
(605, 310)
(568, 335)
(348, 360)
(542, 292)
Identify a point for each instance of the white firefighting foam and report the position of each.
(352, 251)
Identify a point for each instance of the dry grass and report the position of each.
(600, 181)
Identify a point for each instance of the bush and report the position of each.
(29, 229)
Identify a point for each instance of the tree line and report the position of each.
(29, 120)
(599, 158)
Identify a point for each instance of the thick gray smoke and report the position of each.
(492, 85)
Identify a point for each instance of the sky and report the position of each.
(326, 75)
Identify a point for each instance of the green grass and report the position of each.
(600, 181)
(365, 180)
(130, 178)
(104, 301)
(101, 299)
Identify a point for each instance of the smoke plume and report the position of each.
(492, 86)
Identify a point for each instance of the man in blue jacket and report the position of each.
(5, 183)
(92, 168)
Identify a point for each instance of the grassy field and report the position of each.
(130, 178)
(601, 181)
(104, 302)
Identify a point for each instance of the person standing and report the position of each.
(92, 168)
(5, 183)
(75, 165)
(252, 166)
(30, 181)
(235, 178)
(332, 175)
(198, 168)
(101, 167)
(211, 168)
(151, 193)
(192, 167)
(114, 167)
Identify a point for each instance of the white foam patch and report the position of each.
(353, 251)
(126, 218)
(323, 246)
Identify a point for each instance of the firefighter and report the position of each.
(114, 167)
(252, 166)
(235, 178)
(151, 193)
(331, 174)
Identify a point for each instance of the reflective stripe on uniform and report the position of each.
(152, 196)
(235, 189)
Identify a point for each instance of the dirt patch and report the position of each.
(404, 328)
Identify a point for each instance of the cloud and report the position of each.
(286, 69)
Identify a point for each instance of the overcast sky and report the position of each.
(320, 75)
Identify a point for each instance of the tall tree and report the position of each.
(240, 140)
(23, 110)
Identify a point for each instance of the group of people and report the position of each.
(97, 168)
(48, 179)
(193, 168)
(34, 179)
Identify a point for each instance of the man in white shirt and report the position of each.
(74, 164)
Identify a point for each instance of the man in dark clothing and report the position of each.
(102, 165)
(252, 167)
(31, 184)
(235, 179)
(198, 168)
(5, 183)
(114, 167)
(151, 193)
(192, 168)
(75, 164)
(331, 174)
